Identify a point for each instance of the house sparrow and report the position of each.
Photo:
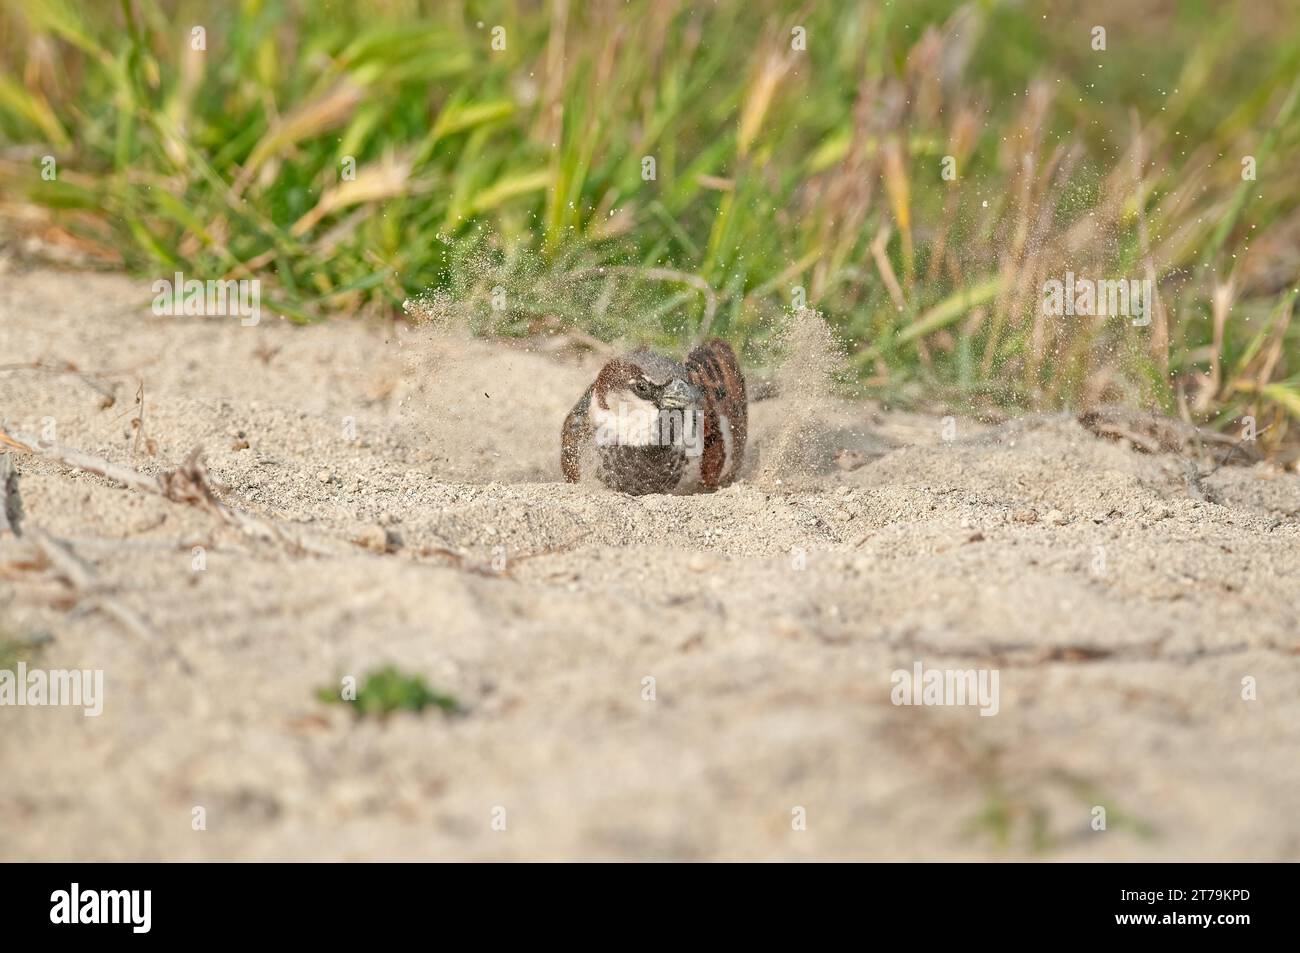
(648, 424)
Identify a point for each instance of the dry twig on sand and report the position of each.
(462, 562)
(188, 483)
(1151, 433)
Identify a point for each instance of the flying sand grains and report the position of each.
(810, 360)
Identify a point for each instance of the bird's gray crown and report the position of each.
(659, 369)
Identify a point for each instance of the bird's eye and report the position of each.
(641, 387)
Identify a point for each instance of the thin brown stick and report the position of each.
(550, 551)
(886, 270)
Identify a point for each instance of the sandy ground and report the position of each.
(1121, 611)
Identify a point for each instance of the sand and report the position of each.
(1121, 607)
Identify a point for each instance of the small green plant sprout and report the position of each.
(387, 690)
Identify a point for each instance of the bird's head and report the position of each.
(642, 378)
(644, 399)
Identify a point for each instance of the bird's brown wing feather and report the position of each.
(715, 370)
(577, 429)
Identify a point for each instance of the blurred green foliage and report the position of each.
(387, 690)
(781, 174)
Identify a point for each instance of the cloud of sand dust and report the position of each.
(432, 363)
(440, 382)
(809, 361)
(520, 297)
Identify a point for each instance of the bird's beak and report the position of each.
(679, 395)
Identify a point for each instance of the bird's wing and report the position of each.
(715, 370)
(577, 429)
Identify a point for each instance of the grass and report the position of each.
(14, 650)
(387, 690)
(780, 175)
(1017, 816)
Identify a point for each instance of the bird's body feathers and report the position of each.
(649, 424)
